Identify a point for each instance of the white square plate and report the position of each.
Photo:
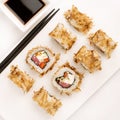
(15, 105)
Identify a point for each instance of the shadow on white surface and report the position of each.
(9, 35)
(103, 105)
(1, 118)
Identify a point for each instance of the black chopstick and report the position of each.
(27, 39)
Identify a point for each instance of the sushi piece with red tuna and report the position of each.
(67, 79)
(41, 59)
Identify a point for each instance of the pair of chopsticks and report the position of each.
(27, 39)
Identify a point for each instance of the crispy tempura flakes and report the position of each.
(78, 20)
(67, 79)
(89, 59)
(103, 42)
(47, 101)
(63, 36)
(41, 59)
(20, 78)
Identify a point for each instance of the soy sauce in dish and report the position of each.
(25, 9)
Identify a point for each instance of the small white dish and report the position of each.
(16, 20)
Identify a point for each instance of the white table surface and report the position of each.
(103, 105)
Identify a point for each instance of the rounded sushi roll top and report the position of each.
(67, 79)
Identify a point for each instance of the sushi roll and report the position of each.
(78, 20)
(41, 59)
(20, 78)
(63, 36)
(103, 42)
(50, 103)
(89, 59)
(67, 79)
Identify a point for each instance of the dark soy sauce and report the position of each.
(25, 9)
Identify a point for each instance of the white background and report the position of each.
(103, 105)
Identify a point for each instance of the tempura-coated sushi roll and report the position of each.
(103, 42)
(63, 36)
(41, 59)
(89, 59)
(20, 78)
(67, 79)
(50, 103)
(78, 20)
